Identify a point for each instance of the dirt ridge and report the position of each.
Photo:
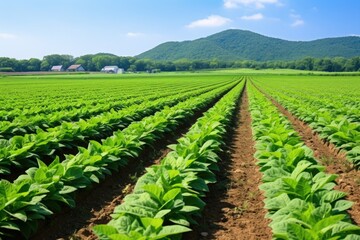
(235, 208)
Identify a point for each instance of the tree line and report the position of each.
(95, 62)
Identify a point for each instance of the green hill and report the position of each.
(246, 45)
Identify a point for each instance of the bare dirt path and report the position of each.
(329, 156)
(235, 208)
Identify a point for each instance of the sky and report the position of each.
(36, 28)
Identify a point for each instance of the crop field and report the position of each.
(213, 155)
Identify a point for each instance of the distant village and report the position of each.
(80, 68)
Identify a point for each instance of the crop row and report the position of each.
(28, 94)
(300, 198)
(19, 150)
(96, 104)
(167, 197)
(29, 124)
(44, 189)
(338, 123)
(31, 96)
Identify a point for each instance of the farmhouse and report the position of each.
(58, 68)
(76, 68)
(112, 69)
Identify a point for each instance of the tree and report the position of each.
(34, 64)
(6, 62)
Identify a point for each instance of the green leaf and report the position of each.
(199, 185)
(297, 232)
(103, 231)
(171, 195)
(328, 223)
(162, 213)
(122, 237)
(67, 189)
(342, 205)
(278, 202)
(332, 196)
(346, 228)
(9, 225)
(300, 167)
(206, 145)
(154, 190)
(180, 220)
(21, 215)
(73, 173)
(352, 237)
(154, 222)
(294, 156)
(189, 209)
(320, 182)
(171, 230)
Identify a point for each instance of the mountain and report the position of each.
(245, 45)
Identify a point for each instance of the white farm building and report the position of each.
(58, 68)
(112, 69)
(75, 68)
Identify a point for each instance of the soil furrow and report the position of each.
(235, 208)
(329, 156)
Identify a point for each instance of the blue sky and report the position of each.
(35, 28)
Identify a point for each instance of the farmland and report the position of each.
(212, 155)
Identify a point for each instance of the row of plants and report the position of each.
(43, 190)
(34, 100)
(342, 98)
(27, 93)
(300, 196)
(12, 114)
(29, 124)
(337, 123)
(20, 151)
(94, 102)
(167, 197)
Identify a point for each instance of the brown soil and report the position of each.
(235, 208)
(329, 156)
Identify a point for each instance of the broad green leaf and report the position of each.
(297, 232)
(328, 223)
(154, 190)
(171, 230)
(171, 195)
(342, 205)
(103, 231)
(154, 222)
(67, 189)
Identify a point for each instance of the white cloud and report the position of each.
(211, 21)
(7, 36)
(249, 3)
(297, 20)
(297, 23)
(254, 17)
(134, 34)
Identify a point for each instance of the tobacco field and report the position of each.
(180, 156)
